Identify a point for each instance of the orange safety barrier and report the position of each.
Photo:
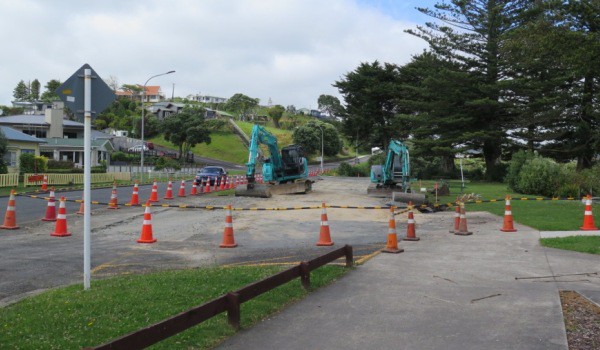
(169, 194)
(154, 193)
(60, 229)
(10, 219)
(324, 234)
(508, 224)
(462, 226)
(146, 235)
(392, 237)
(50, 208)
(181, 189)
(588, 217)
(228, 239)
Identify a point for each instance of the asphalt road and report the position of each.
(32, 260)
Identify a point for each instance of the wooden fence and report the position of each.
(9, 180)
(73, 179)
(229, 303)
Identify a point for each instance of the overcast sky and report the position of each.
(290, 51)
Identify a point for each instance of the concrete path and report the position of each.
(491, 290)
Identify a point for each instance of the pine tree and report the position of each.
(470, 33)
(21, 92)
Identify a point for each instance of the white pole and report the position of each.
(462, 177)
(87, 179)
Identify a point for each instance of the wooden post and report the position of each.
(233, 310)
(349, 256)
(305, 275)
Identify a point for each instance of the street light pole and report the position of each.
(143, 110)
(322, 148)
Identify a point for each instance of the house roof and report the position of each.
(152, 90)
(34, 120)
(59, 142)
(15, 135)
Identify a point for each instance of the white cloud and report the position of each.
(288, 50)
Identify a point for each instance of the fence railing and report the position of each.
(66, 179)
(9, 180)
(229, 302)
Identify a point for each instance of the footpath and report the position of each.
(491, 290)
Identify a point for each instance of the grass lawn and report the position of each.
(548, 215)
(284, 137)
(70, 318)
(224, 145)
(583, 244)
(563, 215)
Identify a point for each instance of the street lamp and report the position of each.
(319, 126)
(143, 109)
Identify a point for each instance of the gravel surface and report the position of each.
(582, 321)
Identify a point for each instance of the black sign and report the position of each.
(71, 92)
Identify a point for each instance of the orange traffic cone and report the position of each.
(169, 194)
(135, 199)
(194, 189)
(228, 240)
(324, 235)
(588, 217)
(181, 189)
(10, 219)
(45, 183)
(50, 208)
(462, 226)
(223, 181)
(456, 218)
(508, 225)
(216, 187)
(146, 236)
(207, 189)
(154, 193)
(411, 234)
(392, 238)
(81, 207)
(60, 229)
(114, 202)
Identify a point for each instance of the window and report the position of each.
(10, 158)
(32, 151)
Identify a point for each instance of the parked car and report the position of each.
(212, 174)
(137, 148)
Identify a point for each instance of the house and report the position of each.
(165, 109)
(153, 94)
(72, 150)
(62, 139)
(32, 107)
(207, 98)
(18, 143)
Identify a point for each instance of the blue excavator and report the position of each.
(392, 179)
(284, 171)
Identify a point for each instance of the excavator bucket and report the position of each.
(258, 190)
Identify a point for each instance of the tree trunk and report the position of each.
(491, 154)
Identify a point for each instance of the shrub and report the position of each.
(539, 176)
(30, 163)
(514, 168)
(60, 164)
(346, 169)
(166, 163)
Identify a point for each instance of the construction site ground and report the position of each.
(490, 290)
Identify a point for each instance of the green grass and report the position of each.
(224, 145)
(284, 137)
(583, 244)
(542, 215)
(70, 318)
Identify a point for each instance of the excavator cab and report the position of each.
(293, 160)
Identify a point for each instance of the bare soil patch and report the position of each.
(582, 321)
